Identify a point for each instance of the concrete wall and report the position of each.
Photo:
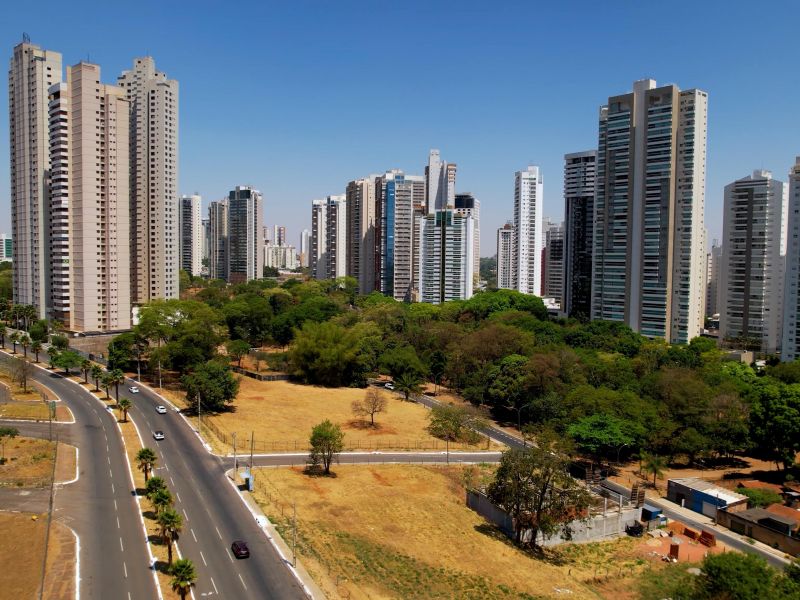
(785, 543)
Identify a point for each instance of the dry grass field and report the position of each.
(21, 554)
(27, 460)
(281, 415)
(400, 531)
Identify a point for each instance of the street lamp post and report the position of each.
(619, 450)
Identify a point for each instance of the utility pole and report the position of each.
(252, 443)
(159, 372)
(234, 457)
(294, 534)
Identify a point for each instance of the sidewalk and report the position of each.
(311, 588)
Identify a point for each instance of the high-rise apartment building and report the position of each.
(89, 203)
(360, 196)
(336, 237)
(445, 269)
(280, 257)
(440, 183)
(6, 247)
(279, 235)
(399, 198)
(191, 234)
(305, 248)
(649, 253)
(505, 257)
(205, 227)
(751, 274)
(319, 228)
(528, 242)
(245, 239)
(153, 180)
(467, 205)
(714, 262)
(31, 73)
(579, 182)
(218, 239)
(790, 344)
(554, 261)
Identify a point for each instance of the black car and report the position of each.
(240, 549)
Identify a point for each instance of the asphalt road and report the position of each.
(214, 515)
(100, 506)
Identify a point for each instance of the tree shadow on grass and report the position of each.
(544, 554)
(162, 567)
(317, 471)
(154, 539)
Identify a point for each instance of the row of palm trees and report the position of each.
(169, 520)
(19, 315)
(20, 338)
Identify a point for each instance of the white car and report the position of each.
(133, 389)
(389, 385)
(162, 410)
(158, 435)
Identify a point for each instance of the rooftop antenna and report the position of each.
(26, 38)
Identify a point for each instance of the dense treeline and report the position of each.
(614, 392)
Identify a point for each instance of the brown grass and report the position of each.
(35, 411)
(281, 415)
(399, 531)
(21, 554)
(28, 460)
(59, 578)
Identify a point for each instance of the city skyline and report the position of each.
(292, 128)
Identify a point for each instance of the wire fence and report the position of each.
(243, 443)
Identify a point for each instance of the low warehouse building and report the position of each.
(704, 497)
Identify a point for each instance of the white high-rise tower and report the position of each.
(528, 242)
(191, 234)
(154, 181)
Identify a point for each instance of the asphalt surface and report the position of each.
(100, 507)
(214, 514)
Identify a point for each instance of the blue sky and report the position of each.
(297, 98)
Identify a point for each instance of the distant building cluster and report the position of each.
(410, 237)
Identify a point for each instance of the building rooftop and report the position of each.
(755, 515)
(701, 485)
(791, 514)
(761, 485)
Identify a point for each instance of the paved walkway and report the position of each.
(33, 500)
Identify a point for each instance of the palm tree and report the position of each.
(97, 373)
(147, 460)
(36, 347)
(161, 500)
(14, 339)
(86, 366)
(124, 407)
(171, 523)
(29, 314)
(115, 377)
(154, 484)
(25, 341)
(183, 576)
(408, 383)
(655, 464)
(107, 382)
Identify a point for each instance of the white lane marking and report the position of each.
(118, 523)
(129, 596)
(177, 495)
(120, 545)
(112, 488)
(218, 533)
(110, 474)
(242, 580)
(115, 504)
(204, 559)
(193, 535)
(107, 449)
(185, 515)
(230, 556)
(108, 458)
(171, 480)
(125, 567)
(215, 585)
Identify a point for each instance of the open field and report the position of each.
(400, 531)
(28, 461)
(281, 415)
(21, 554)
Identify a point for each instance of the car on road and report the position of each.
(162, 410)
(158, 435)
(133, 389)
(388, 385)
(240, 549)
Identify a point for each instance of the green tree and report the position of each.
(116, 377)
(146, 459)
(758, 498)
(237, 350)
(161, 500)
(327, 441)
(122, 350)
(68, 359)
(86, 367)
(25, 342)
(329, 354)
(154, 484)
(601, 435)
(38, 331)
(183, 576)
(534, 487)
(36, 347)
(124, 406)
(654, 465)
(408, 383)
(14, 339)
(6, 433)
(59, 342)
(401, 360)
(97, 373)
(437, 368)
(3, 333)
(455, 423)
(211, 386)
(735, 575)
(170, 522)
(107, 381)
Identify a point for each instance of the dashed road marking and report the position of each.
(242, 580)
(204, 559)
(214, 584)
(193, 535)
(218, 533)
